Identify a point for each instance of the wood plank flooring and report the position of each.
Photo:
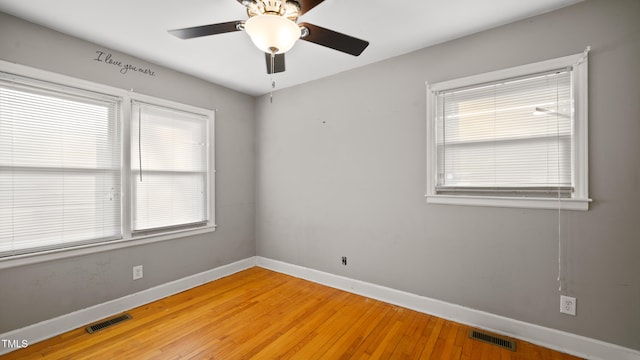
(260, 314)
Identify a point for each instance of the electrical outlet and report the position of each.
(568, 305)
(344, 260)
(137, 272)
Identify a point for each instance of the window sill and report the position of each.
(57, 254)
(510, 202)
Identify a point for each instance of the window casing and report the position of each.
(67, 166)
(515, 137)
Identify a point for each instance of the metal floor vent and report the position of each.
(105, 324)
(488, 338)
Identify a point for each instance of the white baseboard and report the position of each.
(550, 338)
(554, 339)
(61, 324)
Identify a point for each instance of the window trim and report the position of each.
(128, 238)
(580, 198)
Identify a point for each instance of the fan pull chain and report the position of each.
(273, 70)
(273, 86)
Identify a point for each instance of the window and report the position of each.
(515, 137)
(82, 163)
(169, 165)
(59, 166)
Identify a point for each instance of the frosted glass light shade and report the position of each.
(272, 31)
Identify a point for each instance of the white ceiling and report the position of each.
(139, 28)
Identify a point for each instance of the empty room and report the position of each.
(320, 179)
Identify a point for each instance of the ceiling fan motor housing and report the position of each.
(288, 9)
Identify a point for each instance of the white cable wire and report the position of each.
(560, 275)
(140, 139)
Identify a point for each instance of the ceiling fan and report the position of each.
(273, 28)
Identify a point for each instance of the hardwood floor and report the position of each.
(260, 314)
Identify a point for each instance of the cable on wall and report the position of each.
(560, 274)
(561, 277)
(140, 140)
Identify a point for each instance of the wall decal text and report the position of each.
(108, 59)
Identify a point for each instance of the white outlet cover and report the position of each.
(568, 305)
(137, 272)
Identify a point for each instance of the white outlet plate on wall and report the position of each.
(137, 272)
(568, 305)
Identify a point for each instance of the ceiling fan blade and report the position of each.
(278, 63)
(334, 40)
(205, 30)
(306, 5)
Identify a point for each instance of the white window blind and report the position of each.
(169, 168)
(59, 166)
(506, 138)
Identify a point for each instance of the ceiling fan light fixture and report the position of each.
(272, 33)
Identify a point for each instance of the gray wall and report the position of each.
(38, 292)
(341, 171)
